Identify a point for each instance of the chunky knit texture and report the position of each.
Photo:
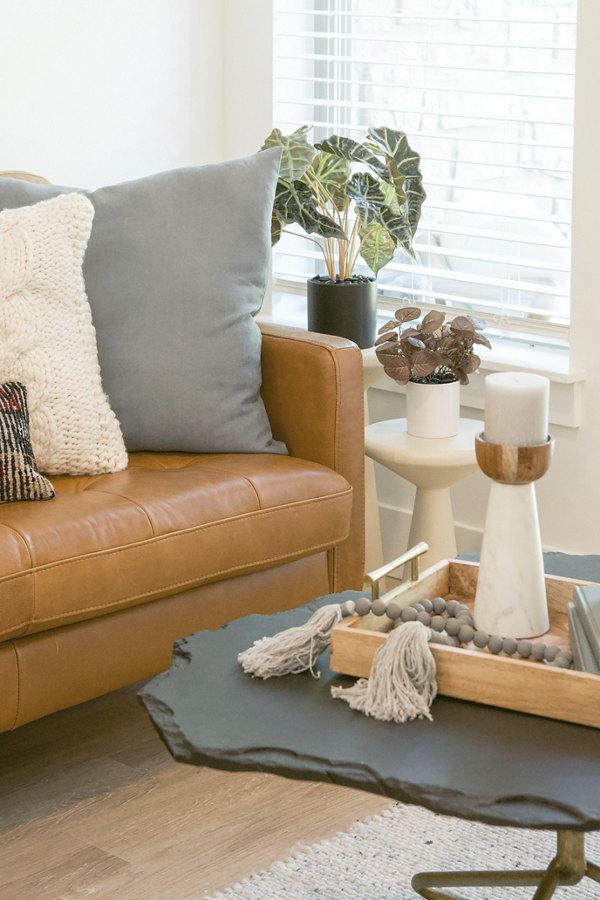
(47, 338)
(19, 477)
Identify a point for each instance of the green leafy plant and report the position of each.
(433, 351)
(360, 198)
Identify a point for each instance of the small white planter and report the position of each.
(433, 410)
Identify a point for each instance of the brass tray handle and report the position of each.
(411, 556)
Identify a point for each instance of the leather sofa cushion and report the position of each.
(166, 524)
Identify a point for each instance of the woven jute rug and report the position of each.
(376, 858)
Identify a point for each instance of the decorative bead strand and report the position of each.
(456, 620)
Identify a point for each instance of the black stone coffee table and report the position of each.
(473, 762)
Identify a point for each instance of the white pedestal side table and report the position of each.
(433, 466)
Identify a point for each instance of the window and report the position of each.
(485, 91)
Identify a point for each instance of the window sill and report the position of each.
(527, 356)
(566, 384)
(552, 362)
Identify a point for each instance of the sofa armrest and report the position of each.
(313, 391)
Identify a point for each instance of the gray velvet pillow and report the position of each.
(175, 270)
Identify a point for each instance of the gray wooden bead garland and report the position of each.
(456, 620)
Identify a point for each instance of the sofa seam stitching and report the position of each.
(209, 465)
(133, 503)
(241, 475)
(198, 580)
(165, 537)
(92, 489)
(94, 479)
(177, 584)
(19, 574)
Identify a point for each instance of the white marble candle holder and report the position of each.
(511, 592)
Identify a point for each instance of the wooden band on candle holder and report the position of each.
(513, 465)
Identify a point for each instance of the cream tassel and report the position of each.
(294, 650)
(402, 683)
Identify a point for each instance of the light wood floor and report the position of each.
(91, 804)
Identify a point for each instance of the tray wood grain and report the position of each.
(476, 675)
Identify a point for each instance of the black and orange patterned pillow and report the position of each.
(19, 477)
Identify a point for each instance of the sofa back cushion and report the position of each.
(175, 270)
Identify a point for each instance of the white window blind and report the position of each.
(484, 90)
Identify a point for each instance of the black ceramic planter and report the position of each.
(345, 308)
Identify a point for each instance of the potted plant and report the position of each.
(360, 199)
(432, 358)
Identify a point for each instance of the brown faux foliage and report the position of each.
(432, 352)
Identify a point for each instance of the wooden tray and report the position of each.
(478, 675)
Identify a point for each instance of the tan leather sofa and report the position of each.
(96, 584)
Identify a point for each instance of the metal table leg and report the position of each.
(568, 867)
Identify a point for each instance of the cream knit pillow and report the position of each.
(48, 341)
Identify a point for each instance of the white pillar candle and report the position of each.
(516, 409)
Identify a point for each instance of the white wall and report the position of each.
(247, 75)
(97, 92)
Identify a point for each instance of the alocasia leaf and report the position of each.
(294, 203)
(317, 183)
(276, 228)
(366, 192)
(332, 173)
(399, 228)
(377, 246)
(346, 148)
(297, 153)
(403, 163)
(368, 196)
